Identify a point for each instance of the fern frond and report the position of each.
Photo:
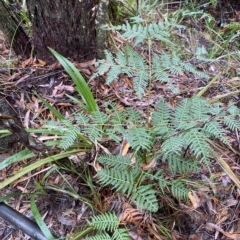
(159, 177)
(199, 109)
(202, 55)
(113, 134)
(178, 190)
(179, 164)
(121, 181)
(140, 82)
(117, 161)
(161, 118)
(100, 236)
(145, 197)
(233, 109)
(121, 234)
(139, 137)
(182, 116)
(113, 73)
(136, 31)
(190, 68)
(231, 122)
(215, 129)
(133, 116)
(93, 131)
(107, 222)
(159, 31)
(82, 119)
(172, 146)
(198, 144)
(70, 135)
(99, 117)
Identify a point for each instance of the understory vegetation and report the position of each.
(150, 147)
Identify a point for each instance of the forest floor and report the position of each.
(213, 211)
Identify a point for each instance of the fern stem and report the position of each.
(150, 81)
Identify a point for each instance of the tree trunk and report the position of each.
(67, 26)
(10, 24)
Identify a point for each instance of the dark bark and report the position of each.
(66, 26)
(10, 25)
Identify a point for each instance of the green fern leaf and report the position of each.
(70, 135)
(159, 31)
(198, 144)
(133, 117)
(112, 134)
(190, 68)
(182, 117)
(178, 190)
(113, 73)
(140, 82)
(161, 118)
(135, 31)
(231, 122)
(82, 119)
(101, 236)
(138, 138)
(172, 146)
(159, 177)
(199, 109)
(121, 234)
(94, 132)
(107, 222)
(233, 109)
(145, 197)
(121, 181)
(99, 117)
(118, 162)
(215, 129)
(179, 164)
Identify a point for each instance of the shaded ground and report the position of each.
(216, 202)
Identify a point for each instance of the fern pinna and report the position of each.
(108, 227)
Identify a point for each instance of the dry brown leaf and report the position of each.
(26, 119)
(194, 199)
(85, 64)
(39, 63)
(151, 164)
(27, 62)
(125, 149)
(233, 236)
(131, 215)
(24, 208)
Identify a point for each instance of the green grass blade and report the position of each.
(24, 154)
(51, 108)
(39, 220)
(81, 85)
(35, 165)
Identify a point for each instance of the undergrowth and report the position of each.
(180, 135)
